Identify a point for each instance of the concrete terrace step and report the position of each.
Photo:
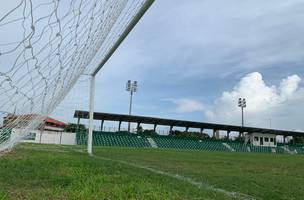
(152, 143)
(288, 150)
(228, 147)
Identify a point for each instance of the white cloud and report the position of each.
(188, 106)
(283, 104)
(289, 86)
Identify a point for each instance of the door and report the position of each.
(261, 141)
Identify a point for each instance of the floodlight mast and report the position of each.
(242, 105)
(125, 33)
(131, 87)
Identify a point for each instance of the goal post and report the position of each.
(128, 29)
(91, 114)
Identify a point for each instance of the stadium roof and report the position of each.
(181, 123)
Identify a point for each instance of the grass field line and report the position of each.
(182, 178)
(195, 183)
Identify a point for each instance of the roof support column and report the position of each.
(171, 129)
(138, 125)
(154, 128)
(119, 126)
(78, 122)
(101, 125)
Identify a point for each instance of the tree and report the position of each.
(194, 135)
(239, 139)
(149, 132)
(72, 128)
(299, 139)
(140, 129)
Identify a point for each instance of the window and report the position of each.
(271, 139)
(256, 138)
(266, 139)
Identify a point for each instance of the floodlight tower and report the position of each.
(103, 61)
(131, 87)
(242, 105)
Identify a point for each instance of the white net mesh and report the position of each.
(45, 46)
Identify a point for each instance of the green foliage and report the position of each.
(225, 138)
(140, 129)
(149, 133)
(193, 135)
(299, 140)
(72, 128)
(239, 139)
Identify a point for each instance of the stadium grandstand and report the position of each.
(250, 139)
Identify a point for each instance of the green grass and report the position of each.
(60, 172)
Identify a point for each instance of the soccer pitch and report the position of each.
(34, 171)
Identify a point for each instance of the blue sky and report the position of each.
(193, 59)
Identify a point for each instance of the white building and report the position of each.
(259, 139)
(45, 137)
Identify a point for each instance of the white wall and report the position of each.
(263, 136)
(48, 137)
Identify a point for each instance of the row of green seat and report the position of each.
(133, 140)
(293, 149)
(110, 139)
(181, 143)
(260, 149)
(281, 149)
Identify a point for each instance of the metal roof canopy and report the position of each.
(181, 123)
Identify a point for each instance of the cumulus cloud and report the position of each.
(283, 104)
(289, 86)
(187, 105)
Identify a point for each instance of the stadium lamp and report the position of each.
(131, 87)
(242, 105)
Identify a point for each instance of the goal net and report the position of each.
(45, 46)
